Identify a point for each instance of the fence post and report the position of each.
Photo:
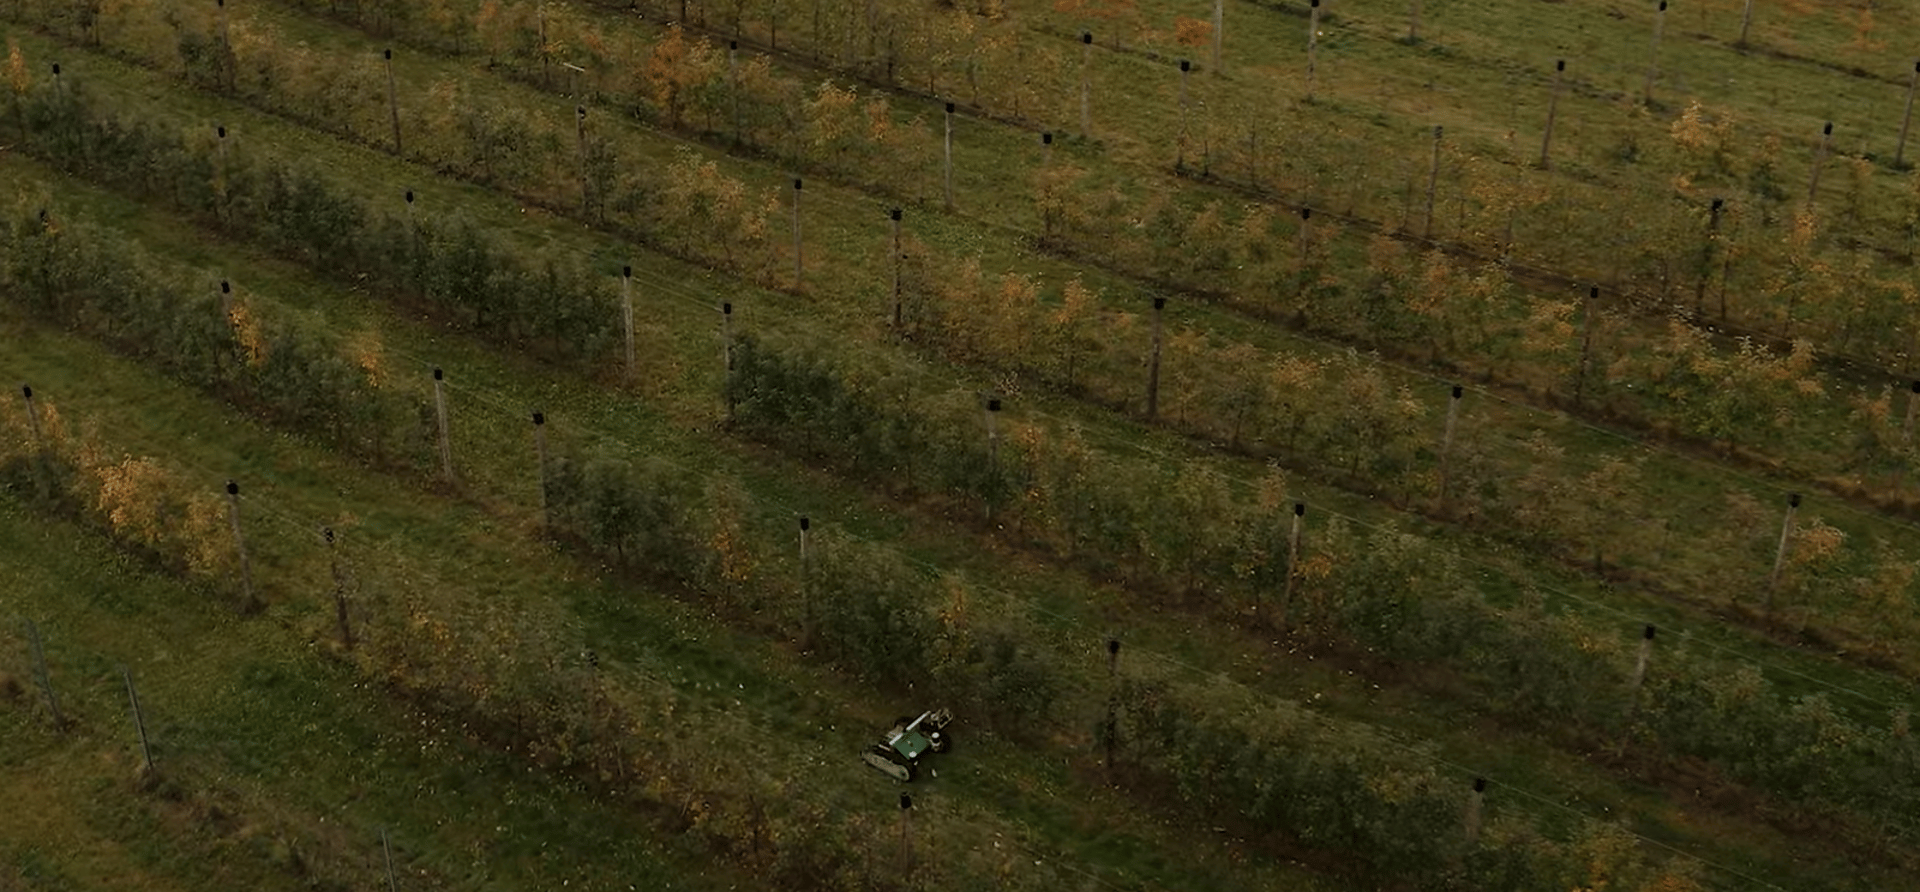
(440, 415)
(580, 132)
(1553, 107)
(33, 414)
(1112, 725)
(1819, 161)
(1433, 182)
(1180, 148)
(339, 588)
(1475, 803)
(1153, 361)
(1086, 84)
(894, 215)
(1219, 27)
(1706, 256)
(1586, 343)
(947, 170)
(806, 583)
(252, 603)
(1046, 149)
(45, 678)
(797, 266)
(1746, 22)
(626, 320)
(139, 720)
(1446, 446)
(1653, 59)
(386, 849)
(1906, 118)
(726, 352)
(540, 453)
(1640, 663)
(906, 833)
(1293, 564)
(393, 102)
(1313, 43)
(1780, 554)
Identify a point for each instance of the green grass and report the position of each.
(471, 350)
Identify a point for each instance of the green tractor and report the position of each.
(899, 753)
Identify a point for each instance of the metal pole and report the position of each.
(1653, 61)
(139, 720)
(1475, 804)
(1046, 149)
(726, 351)
(1553, 107)
(440, 414)
(1780, 554)
(540, 452)
(1153, 361)
(894, 215)
(393, 101)
(1293, 562)
(1819, 161)
(1586, 342)
(1180, 150)
(339, 589)
(626, 320)
(1640, 663)
(947, 171)
(386, 849)
(44, 677)
(1746, 23)
(1086, 84)
(1219, 26)
(33, 414)
(1313, 44)
(1433, 181)
(1906, 119)
(796, 234)
(806, 583)
(1446, 442)
(240, 544)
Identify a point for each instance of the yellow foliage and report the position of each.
(1192, 32)
(17, 76)
(246, 328)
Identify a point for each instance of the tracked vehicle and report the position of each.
(900, 751)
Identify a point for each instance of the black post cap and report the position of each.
(580, 110)
(56, 69)
(806, 523)
(949, 108)
(1479, 785)
(27, 391)
(1437, 129)
(438, 375)
(1306, 213)
(726, 308)
(327, 534)
(1299, 509)
(1458, 391)
(409, 196)
(225, 288)
(626, 272)
(1047, 138)
(1663, 5)
(1593, 292)
(593, 659)
(1113, 646)
(222, 130)
(539, 418)
(389, 55)
(993, 405)
(1086, 37)
(233, 489)
(906, 802)
(1560, 65)
(1159, 303)
(733, 44)
(1793, 500)
(1719, 203)
(1648, 634)
(796, 184)
(1185, 65)
(1916, 387)
(893, 214)
(1315, 4)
